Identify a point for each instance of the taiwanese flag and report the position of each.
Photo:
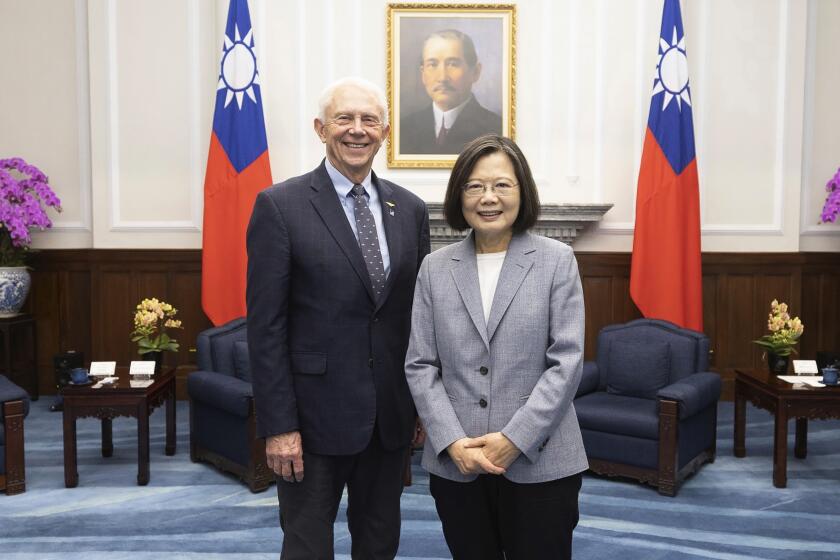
(665, 277)
(237, 169)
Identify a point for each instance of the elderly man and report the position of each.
(448, 70)
(332, 260)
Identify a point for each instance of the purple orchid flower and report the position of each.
(24, 196)
(831, 208)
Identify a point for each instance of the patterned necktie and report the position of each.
(369, 240)
(441, 137)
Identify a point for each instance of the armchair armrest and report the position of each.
(694, 393)
(221, 391)
(589, 380)
(11, 392)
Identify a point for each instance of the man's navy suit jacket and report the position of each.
(326, 357)
(418, 134)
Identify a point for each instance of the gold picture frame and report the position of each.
(481, 91)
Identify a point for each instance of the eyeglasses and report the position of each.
(345, 120)
(475, 189)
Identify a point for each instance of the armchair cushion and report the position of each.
(589, 380)
(215, 346)
(11, 392)
(638, 370)
(241, 361)
(221, 391)
(618, 414)
(694, 393)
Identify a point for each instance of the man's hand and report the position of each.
(469, 458)
(284, 455)
(419, 437)
(498, 449)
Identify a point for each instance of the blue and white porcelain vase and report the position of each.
(15, 282)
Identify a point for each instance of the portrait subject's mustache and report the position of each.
(444, 87)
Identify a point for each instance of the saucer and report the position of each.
(88, 382)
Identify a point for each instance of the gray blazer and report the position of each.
(517, 374)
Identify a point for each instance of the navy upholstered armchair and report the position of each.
(647, 407)
(14, 406)
(222, 419)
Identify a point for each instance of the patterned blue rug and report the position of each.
(729, 510)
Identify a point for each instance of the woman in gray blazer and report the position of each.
(493, 363)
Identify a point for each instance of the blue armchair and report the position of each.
(647, 407)
(14, 407)
(222, 418)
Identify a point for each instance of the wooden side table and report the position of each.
(120, 399)
(20, 352)
(785, 401)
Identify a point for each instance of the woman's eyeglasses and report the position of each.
(475, 189)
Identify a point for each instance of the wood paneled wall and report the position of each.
(84, 300)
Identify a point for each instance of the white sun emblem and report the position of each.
(672, 72)
(239, 67)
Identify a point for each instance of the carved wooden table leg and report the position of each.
(71, 476)
(170, 422)
(780, 447)
(12, 412)
(800, 449)
(739, 448)
(107, 437)
(142, 444)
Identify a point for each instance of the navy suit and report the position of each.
(326, 356)
(418, 134)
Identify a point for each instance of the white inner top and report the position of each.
(489, 266)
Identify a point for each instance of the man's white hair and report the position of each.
(329, 92)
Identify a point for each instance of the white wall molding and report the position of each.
(197, 163)
(597, 194)
(781, 83)
(698, 77)
(117, 222)
(572, 171)
(303, 128)
(547, 92)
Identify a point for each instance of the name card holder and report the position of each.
(102, 369)
(805, 367)
(141, 370)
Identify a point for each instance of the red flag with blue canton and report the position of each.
(665, 275)
(237, 169)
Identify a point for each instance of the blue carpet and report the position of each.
(729, 510)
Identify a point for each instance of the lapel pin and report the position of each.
(390, 207)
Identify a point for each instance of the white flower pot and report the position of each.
(15, 282)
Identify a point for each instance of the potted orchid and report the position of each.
(24, 195)
(784, 335)
(831, 208)
(151, 319)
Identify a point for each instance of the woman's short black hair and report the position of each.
(529, 204)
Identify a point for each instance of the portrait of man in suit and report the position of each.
(450, 80)
(449, 67)
(332, 260)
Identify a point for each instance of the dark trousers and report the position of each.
(492, 518)
(374, 480)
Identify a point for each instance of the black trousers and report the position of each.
(493, 518)
(374, 480)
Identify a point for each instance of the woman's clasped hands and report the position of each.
(492, 453)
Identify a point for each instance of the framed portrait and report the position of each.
(451, 70)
